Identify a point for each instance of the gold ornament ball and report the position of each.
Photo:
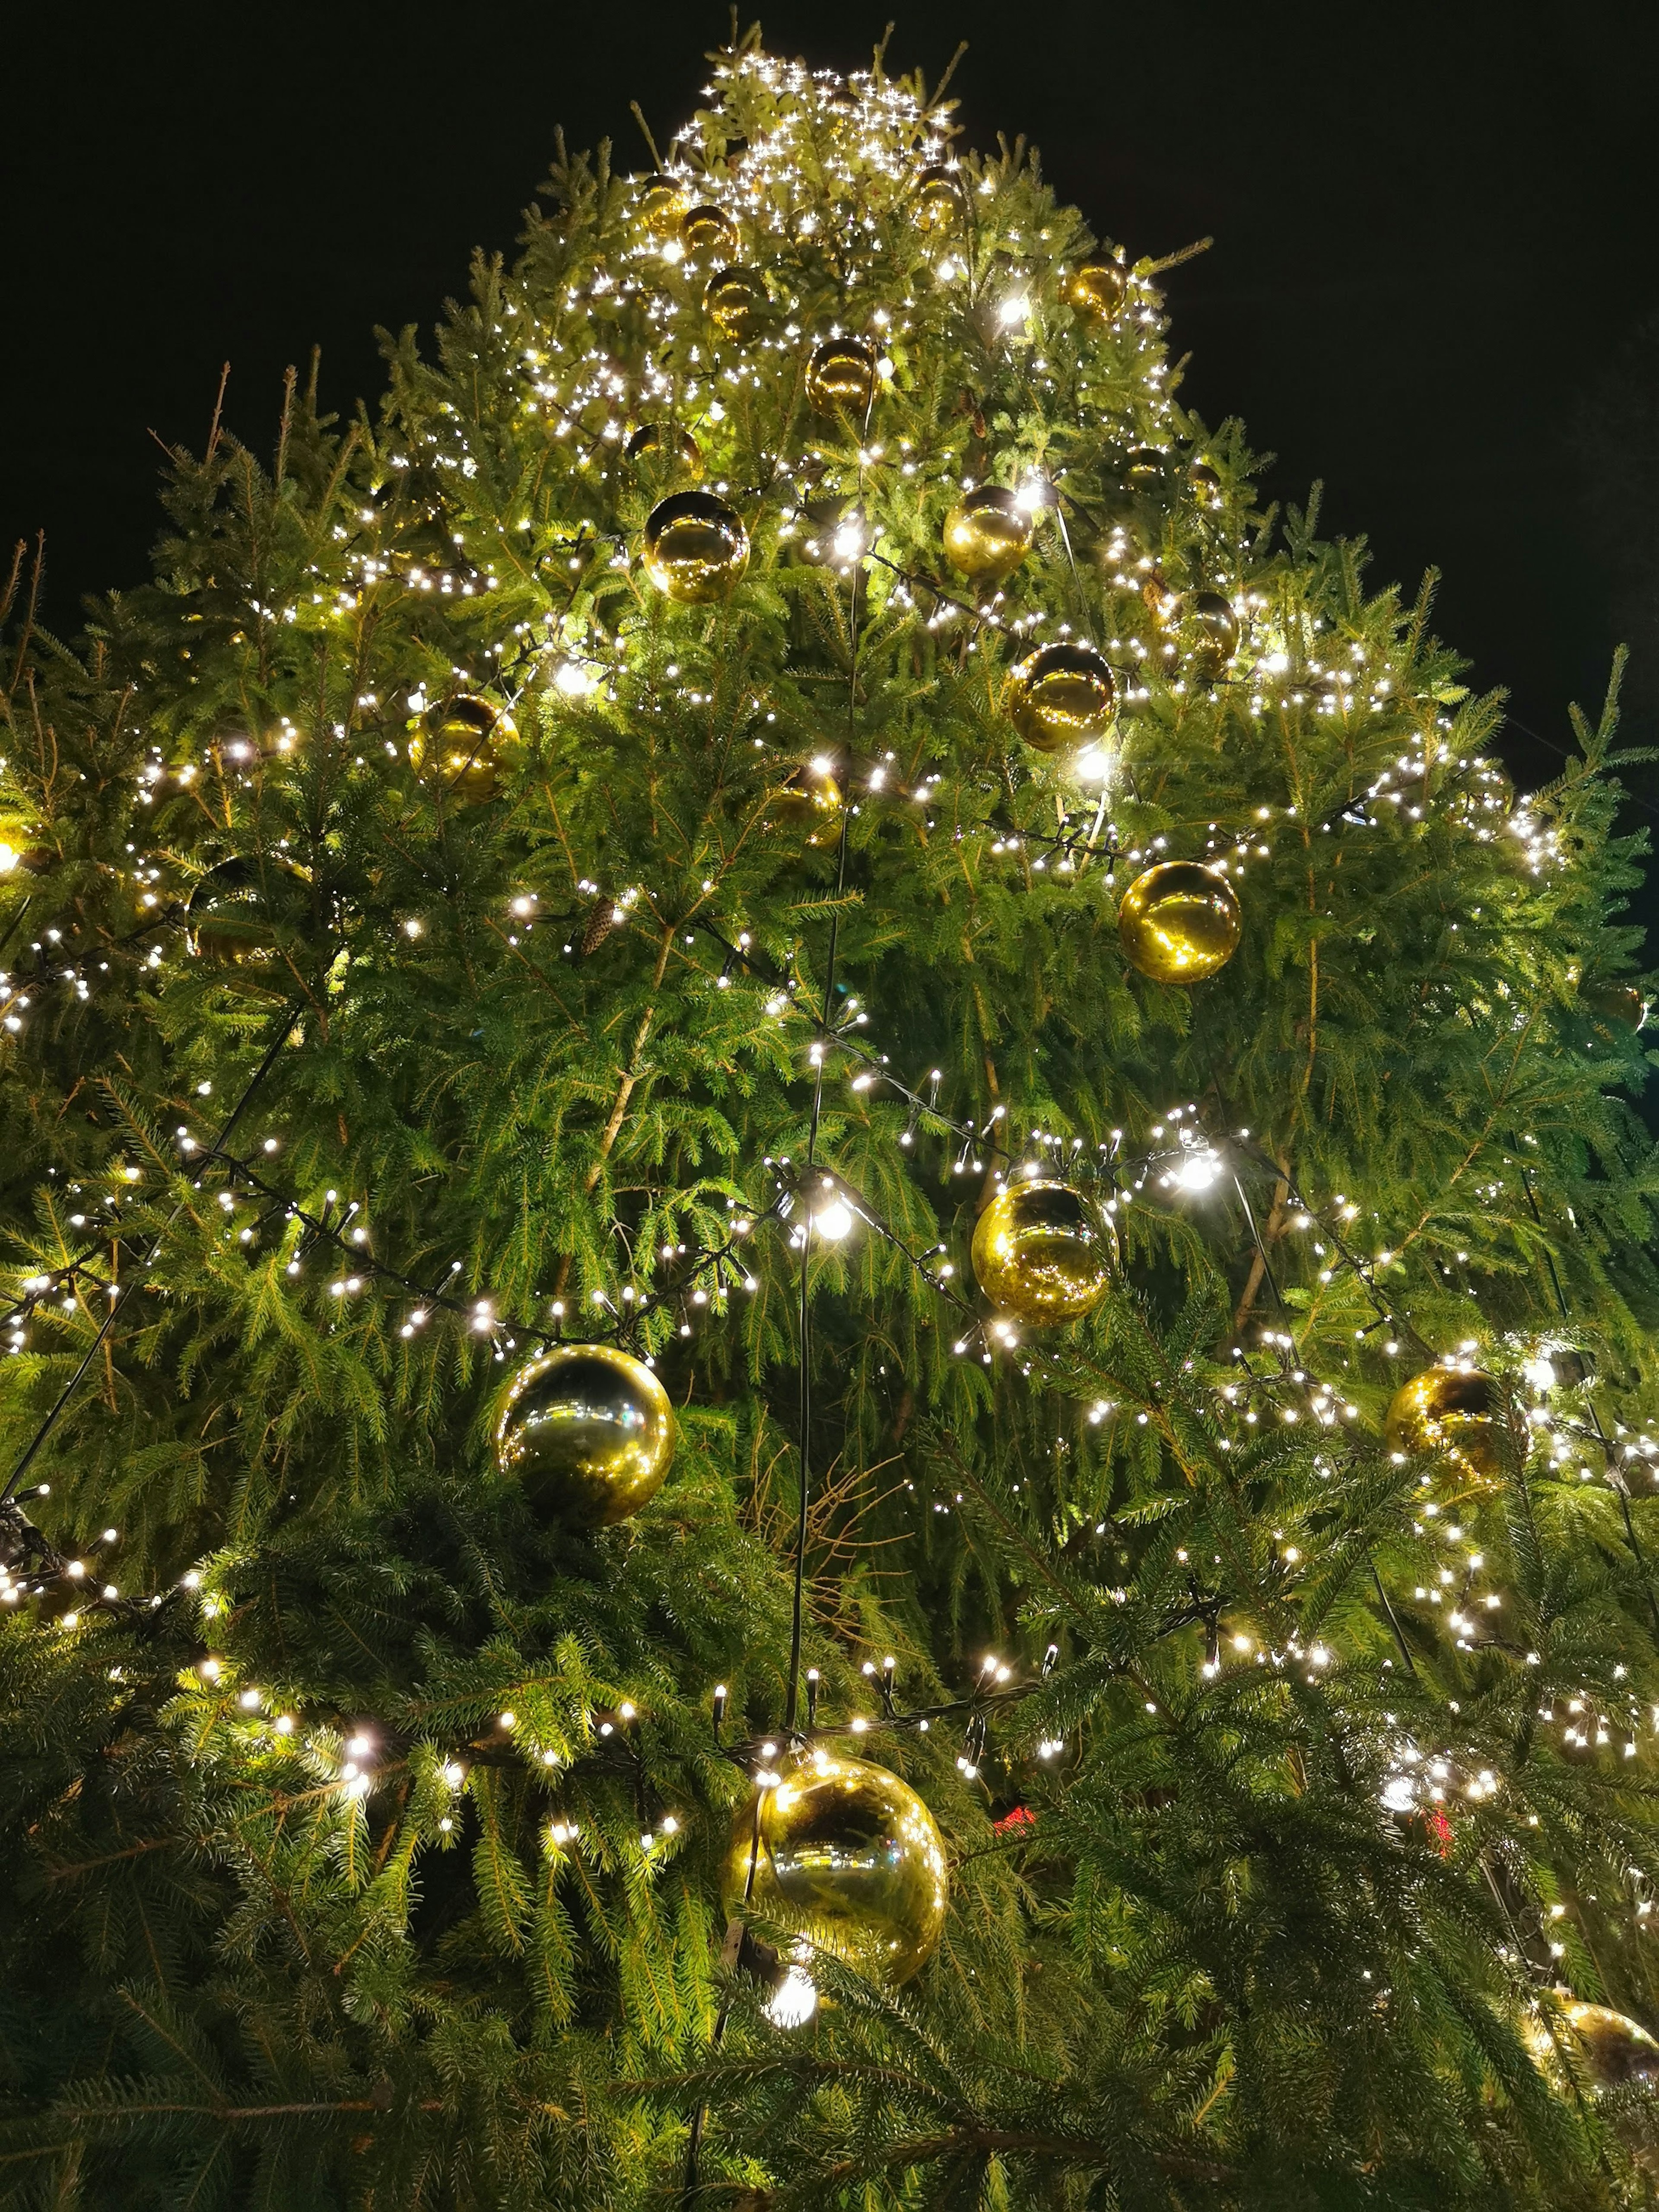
(696, 547)
(459, 746)
(846, 1855)
(1615, 2049)
(708, 233)
(245, 910)
(666, 446)
(1444, 1410)
(735, 300)
(808, 793)
(940, 200)
(1144, 467)
(588, 1432)
(1615, 1002)
(1095, 290)
(1211, 618)
(1043, 1252)
(988, 535)
(841, 376)
(1205, 483)
(1060, 695)
(663, 202)
(1180, 922)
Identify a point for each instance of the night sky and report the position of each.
(1434, 255)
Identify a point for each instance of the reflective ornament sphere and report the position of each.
(1620, 1003)
(1060, 695)
(662, 201)
(735, 300)
(665, 447)
(1144, 467)
(1095, 290)
(1443, 1411)
(988, 535)
(243, 912)
(709, 233)
(846, 1855)
(940, 198)
(696, 547)
(841, 376)
(1180, 922)
(1614, 2050)
(588, 1431)
(1212, 619)
(807, 794)
(1205, 483)
(1043, 1252)
(457, 747)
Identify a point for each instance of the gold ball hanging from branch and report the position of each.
(1615, 2051)
(846, 1855)
(1207, 489)
(696, 547)
(1095, 290)
(1212, 618)
(987, 535)
(1144, 467)
(458, 747)
(841, 376)
(1180, 922)
(735, 300)
(940, 200)
(1446, 1410)
(588, 1431)
(663, 202)
(1062, 695)
(666, 446)
(1043, 1252)
(709, 233)
(808, 793)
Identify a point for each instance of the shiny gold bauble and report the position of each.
(243, 912)
(1441, 1410)
(1180, 922)
(709, 233)
(1043, 1252)
(663, 202)
(1205, 483)
(841, 376)
(940, 198)
(988, 535)
(807, 793)
(735, 300)
(1216, 625)
(1614, 2050)
(667, 447)
(696, 547)
(588, 1431)
(457, 747)
(846, 1855)
(1144, 466)
(1615, 1002)
(1060, 695)
(1095, 290)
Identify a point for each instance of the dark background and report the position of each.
(1434, 284)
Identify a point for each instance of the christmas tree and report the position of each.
(828, 1280)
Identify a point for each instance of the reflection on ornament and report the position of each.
(665, 446)
(1442, 1410)
(243, 912)
(1212, 618)
(806, 793)
(1615, 2049)
(988, 535)
(1205, 483)
(940, 200)
(1060, 695)
(1180, 922)
(846, 1855)
(696, 547)
(662, 201)
(588, 1431)
(1043, 1252)
(841, 376)
(459, 746)
(735, 298)
(708, 232)
(1095, 290)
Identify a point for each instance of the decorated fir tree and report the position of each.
(827, 1283)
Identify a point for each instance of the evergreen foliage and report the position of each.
(1345, 1755)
